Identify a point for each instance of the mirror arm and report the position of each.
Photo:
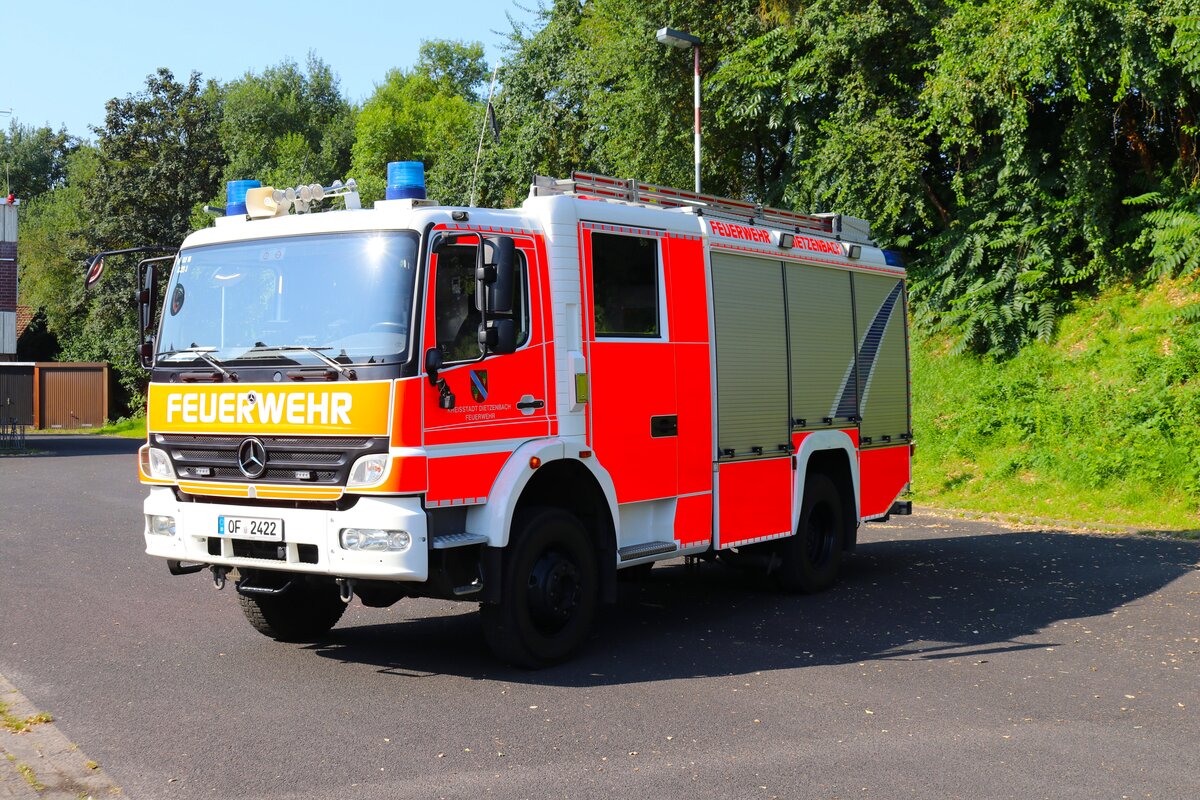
(147, 296)
(481, 291)
(95, 265)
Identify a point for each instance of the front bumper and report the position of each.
(311, 541)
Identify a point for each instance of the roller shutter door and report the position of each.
(882, 357)
(752, 368)
(821, 331)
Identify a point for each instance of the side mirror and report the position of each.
(433, 364)
(147, 298)
(498, 335)
(494, 275)
(95, 268)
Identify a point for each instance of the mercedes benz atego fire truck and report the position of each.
(509, 406)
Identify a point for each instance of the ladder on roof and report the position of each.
(587, 184)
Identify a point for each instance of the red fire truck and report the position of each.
(508, 406)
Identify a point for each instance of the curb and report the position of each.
(1051, 523)
(41, 762)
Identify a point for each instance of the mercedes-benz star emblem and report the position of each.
(252, 458)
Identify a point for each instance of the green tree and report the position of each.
(54, 247)
(587, 87)
(158, 156)
(994, 140)
(34, 160)
(287, 126)
(1051, 114)
(1172, 233)
(421, 115)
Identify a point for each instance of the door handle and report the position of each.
(527, 404)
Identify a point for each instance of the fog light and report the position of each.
(368, 470)
(160, 524)
(375, 540)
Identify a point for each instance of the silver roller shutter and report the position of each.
(883, 357)
(751, 344)
(821, 334)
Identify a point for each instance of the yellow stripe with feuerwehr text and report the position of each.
(249, 409)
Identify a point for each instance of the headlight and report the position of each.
(375, 540)
(160, 524)
(156, 464)
(368, 470)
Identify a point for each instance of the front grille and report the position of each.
(301, 460)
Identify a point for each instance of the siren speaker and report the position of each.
(261, 203)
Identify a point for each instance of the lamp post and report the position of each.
(684, 40)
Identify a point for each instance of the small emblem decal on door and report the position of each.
(479, 385)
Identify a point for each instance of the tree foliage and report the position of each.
(158, 156)
(420, 115)
(287, 126)
(34, 160)
(994, 140)
(54, 245)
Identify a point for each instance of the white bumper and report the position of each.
(311, 541)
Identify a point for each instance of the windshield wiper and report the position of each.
(342, 369)
(202, 353)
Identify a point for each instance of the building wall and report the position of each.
(8, 282)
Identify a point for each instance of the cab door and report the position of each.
(633, 411)
(499, 400)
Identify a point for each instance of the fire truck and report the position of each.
(511, 406)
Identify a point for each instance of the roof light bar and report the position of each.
(308, 197)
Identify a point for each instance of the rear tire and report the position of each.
(303, 613)
(811, 557)
(549, 593)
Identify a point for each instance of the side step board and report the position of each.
(448, 540)
(631, 551)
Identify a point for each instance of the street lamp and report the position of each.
(684, 40)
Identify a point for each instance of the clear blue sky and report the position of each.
(63, 59)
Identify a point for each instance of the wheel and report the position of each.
(549, 593)
(303, 613)
(810, 558)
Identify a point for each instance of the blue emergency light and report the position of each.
(235, 196)
(405, 180)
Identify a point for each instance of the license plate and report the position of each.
(266, 530)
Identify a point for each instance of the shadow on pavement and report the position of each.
(82, 444)
(917, 599)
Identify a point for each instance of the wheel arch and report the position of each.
(562, 480)
(831, 453)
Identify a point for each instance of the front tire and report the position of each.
(810, 558)
(549, 593)
(305, 612)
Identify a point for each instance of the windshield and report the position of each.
(347, 296)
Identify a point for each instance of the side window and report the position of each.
(625, 286)
(457, 319)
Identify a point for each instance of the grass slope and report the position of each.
(1102, 425)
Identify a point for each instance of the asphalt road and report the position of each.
(955, 659)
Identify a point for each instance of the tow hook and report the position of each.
(218, 575)
(346, 589)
